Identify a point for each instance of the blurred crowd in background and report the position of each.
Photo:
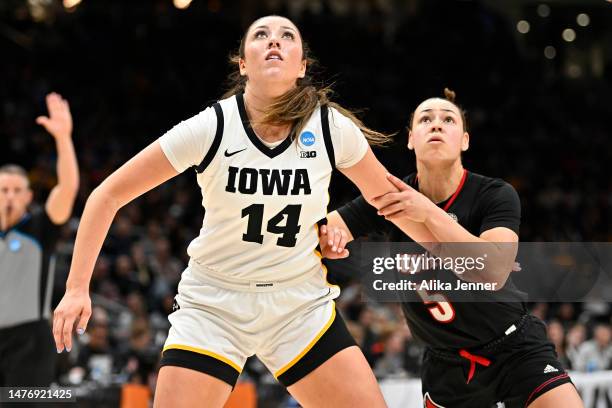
(537, 107)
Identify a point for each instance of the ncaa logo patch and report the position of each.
(14, 245)
(307, 138)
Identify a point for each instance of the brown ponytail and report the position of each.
(297, 105)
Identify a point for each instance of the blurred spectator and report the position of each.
(391, 364)
(413, 352)
(139, 360)
(125, 275)
(596, 354)
(540, 310)
(371, 346)
(96, 359)
(144, 274)
(166, 269)
(556, 334)
(576, 336)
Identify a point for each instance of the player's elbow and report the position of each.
(104, 196)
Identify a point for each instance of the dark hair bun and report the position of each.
(450, 94)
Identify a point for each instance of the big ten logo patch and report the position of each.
(308, 154)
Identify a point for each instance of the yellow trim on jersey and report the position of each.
(206, 353)
(310, 345)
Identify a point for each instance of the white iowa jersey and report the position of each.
(261, 204)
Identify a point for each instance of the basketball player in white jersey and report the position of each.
(254, 284)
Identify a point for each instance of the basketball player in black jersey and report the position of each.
(478, 353)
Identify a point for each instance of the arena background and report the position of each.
(534, 77)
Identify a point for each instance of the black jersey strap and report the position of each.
(216, 141)
(327, 136)
(330, 154)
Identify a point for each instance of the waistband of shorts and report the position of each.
(512, 331)
(215, 278)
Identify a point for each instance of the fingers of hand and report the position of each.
(82, 325)
(340, 238)
(389, 198)
(338, 255)
(58, 326)
(67, 333)
(391, 209)
(57, 106)
(331, 237)
(54, 102)
(396, 216)
(64, 324)
(42, 120)
(398, 183)
(381, 201)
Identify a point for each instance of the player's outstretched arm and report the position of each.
(500, 244)
(59, 125)
(143, 172)
(370, 176)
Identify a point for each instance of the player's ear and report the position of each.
(465, 141)
(242, 66)
(410, 146)
(302, 72)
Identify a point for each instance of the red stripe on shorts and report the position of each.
(559, 377)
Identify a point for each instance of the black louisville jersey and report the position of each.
(479, 204)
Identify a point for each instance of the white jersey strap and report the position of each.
(216, 141)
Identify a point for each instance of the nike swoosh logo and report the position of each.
(226, 154)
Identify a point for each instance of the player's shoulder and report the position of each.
(230, 101)
(338, 119)
(210, 115)
(492, 188)
(485, 183)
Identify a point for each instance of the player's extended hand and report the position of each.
(408, 202)
(59, 121)
(74, 307)
(332, 241)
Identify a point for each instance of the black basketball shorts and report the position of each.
(514, 369)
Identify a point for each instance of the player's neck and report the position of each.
(438, 183)
(257, 102)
